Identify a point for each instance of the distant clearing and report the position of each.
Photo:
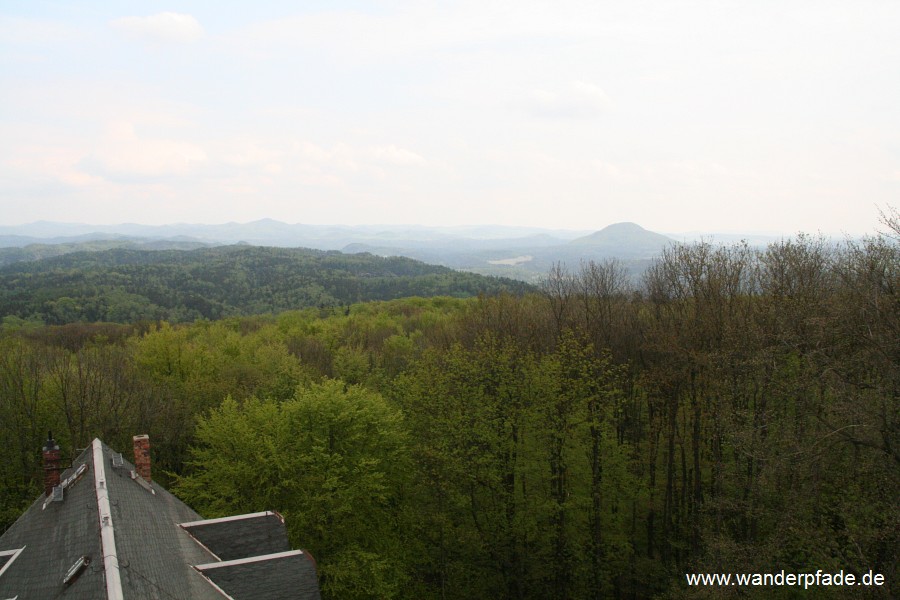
(518, 260)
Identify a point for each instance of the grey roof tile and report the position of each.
(283, 576)
(53, 539)
(155, 555)
(231, 538)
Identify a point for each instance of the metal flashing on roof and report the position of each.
(240, 536)
(135, 476)
(58, 494)
(278, 576)
(255, 515)
(12, 554)
(71, 479)
(248, 560)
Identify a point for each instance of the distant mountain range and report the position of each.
(266, 232)
(524, 253)
(529, 258)
(624, 235)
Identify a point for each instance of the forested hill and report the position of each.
(126, 285)
(11, 253)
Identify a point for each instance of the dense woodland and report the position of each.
(735, 410)
(38, 251)
(125, 285)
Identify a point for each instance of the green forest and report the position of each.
(735, 410)
(126, 285)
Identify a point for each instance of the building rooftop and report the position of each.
(106, 531)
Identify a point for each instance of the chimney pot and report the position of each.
(52, 459)
(142, 456)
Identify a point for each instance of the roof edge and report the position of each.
(214, 585)
(13, 554)
(249, 560)
(255, 515)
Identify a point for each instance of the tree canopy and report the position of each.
(735, 411)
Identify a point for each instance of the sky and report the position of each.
(765, 116)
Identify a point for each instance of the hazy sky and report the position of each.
(756, 115)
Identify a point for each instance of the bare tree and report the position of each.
(559, 287)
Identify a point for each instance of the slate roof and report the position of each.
(277, 577)
(231, 538)
(140, 542)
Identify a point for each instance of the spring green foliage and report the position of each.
(736, 412)
(510, 441)
(332, 459)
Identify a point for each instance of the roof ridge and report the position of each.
(107, 536)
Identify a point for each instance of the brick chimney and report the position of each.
(142, 456)
(52, 467)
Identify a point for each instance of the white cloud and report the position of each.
(53, 161)
(243, 153)
(397, 156)
(414, 30)
(339, 157)
(606, 170)
(579, 100)
(124, 155)
(164, 26)
(503, 104)
(310, 151)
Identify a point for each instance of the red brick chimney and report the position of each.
(52, 467)
(142, 456)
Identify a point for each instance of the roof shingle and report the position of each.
(154, 556)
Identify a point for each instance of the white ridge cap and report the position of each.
(107, 538)
(255, 515)
(249, 560)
